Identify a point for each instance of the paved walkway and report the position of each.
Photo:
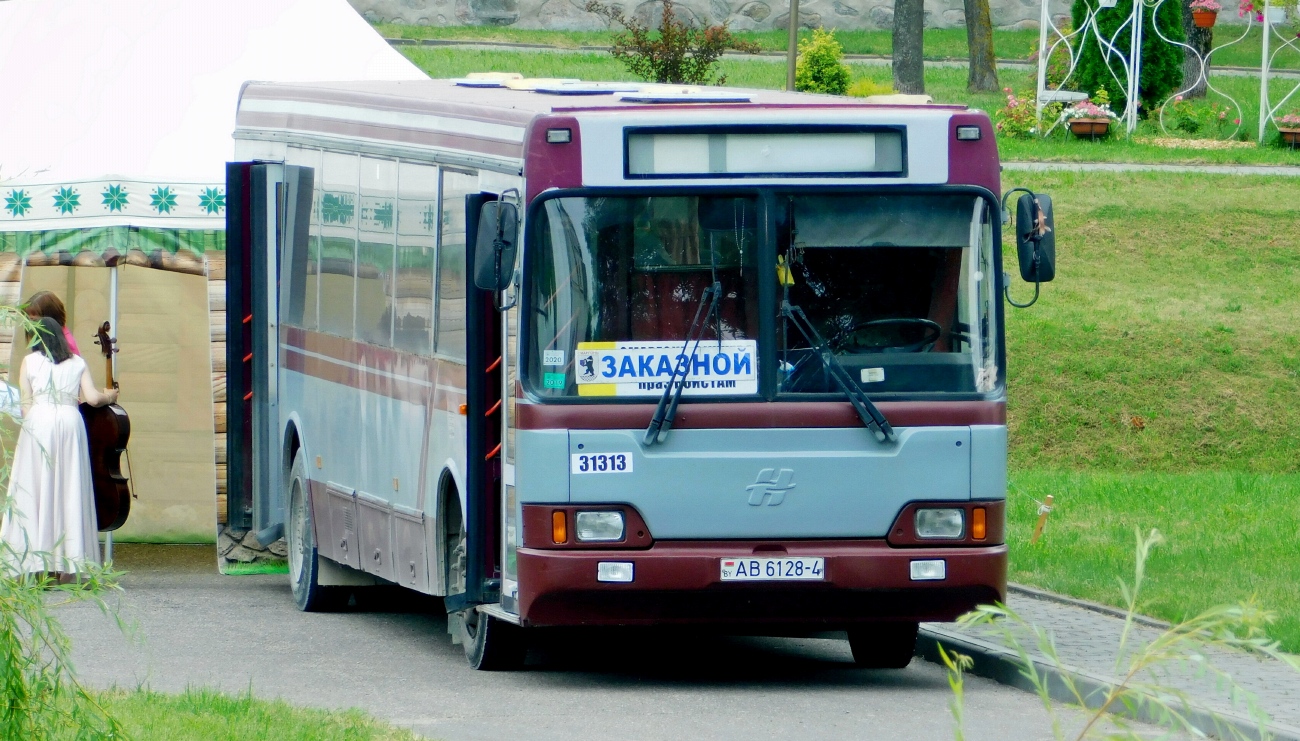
(1087, 642)
(391, 656)
(1273, 170)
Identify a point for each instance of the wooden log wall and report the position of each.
(10, 287)
(217, 325)
(11, 273)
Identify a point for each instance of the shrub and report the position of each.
(1017, 119)
(819, 69)
(677, 51)
(1182, 116)
(1162, 62)
(866, 87)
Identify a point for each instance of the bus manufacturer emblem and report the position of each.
(772, 484)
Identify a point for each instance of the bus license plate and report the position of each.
(773, 569)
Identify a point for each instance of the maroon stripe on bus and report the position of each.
(347, 350)
(398, 375)
(299, 122)
(376, 383)
(759, 415)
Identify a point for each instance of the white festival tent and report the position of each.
(115, 99)
(116, 121)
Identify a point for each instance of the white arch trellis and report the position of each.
(1126, 68)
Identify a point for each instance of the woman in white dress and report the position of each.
(49, 518)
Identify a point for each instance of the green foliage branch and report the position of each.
(677, 52)
(819, 68)
(1162, 62)
(1192, 644)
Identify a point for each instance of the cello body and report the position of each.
(108, 428)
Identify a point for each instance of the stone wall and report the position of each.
(743, 15)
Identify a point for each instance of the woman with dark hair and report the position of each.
(49, 523)
(47, 303)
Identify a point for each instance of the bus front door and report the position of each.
(267, 213)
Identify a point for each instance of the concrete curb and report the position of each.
(1003, 666)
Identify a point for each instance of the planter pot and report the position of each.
(1090, 128)
(1276, 16)
(1204, 18)
(1290, 136)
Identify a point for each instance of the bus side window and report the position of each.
(417, 242)
(451, 263)
(375, 250)
(338, 216)
(303, 313)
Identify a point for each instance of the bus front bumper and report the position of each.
(680, 583)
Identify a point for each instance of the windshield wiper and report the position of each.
(867, 411)
(666, 412)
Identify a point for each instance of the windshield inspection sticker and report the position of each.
(552, 357)
(642, 368)
(873, 375)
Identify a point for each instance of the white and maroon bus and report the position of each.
(597, 354)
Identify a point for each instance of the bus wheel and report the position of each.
(884, 645)
(303, 557)
(490, 644)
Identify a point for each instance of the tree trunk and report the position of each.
(979, 40)
(1202, 40)
(909, 62)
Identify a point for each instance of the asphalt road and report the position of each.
(193, 627)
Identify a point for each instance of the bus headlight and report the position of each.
(599, 526)
(940, 523)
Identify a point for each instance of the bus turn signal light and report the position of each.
(559, 527)
(978, 523)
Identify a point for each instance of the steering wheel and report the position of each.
(932, 333)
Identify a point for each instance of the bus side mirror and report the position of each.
(1036, 238)
(494, 251)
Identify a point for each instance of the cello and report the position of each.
(107, 430)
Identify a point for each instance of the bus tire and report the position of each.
(884, 645)
(304, 560)
(491, 644)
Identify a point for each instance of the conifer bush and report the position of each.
(1162, 62)
(819, 69)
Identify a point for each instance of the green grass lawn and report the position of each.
(202, 715)
(1155, 385)
(945, 85)
(1230, 537)
(940, 43)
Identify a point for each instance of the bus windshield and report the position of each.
(898, 286)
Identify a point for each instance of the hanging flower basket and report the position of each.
(1090, 128)
(1290, 136)
(1204, 18)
